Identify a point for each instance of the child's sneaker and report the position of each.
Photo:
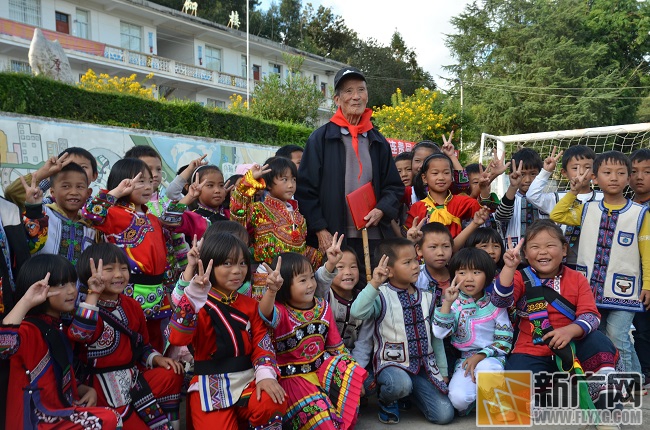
(389, 414)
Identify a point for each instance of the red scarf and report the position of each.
(363, 126)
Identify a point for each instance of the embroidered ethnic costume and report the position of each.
(117, 355)
(322, 381)
(232, 351)
(452, 212)
(42, 380)
(51, 232)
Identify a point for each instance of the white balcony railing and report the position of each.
(181, 70)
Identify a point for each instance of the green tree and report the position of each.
(295, 99)
(531, 66)
(388, 68)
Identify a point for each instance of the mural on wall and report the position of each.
(26, 142)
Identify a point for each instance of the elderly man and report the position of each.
(340, 157)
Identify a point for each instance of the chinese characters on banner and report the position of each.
(399, 146)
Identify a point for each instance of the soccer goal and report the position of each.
(624, 138)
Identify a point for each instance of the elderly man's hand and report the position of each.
(373, 217)
(324, 240)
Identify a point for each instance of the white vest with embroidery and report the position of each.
(623, 277)
(392, 341)
(85, 236)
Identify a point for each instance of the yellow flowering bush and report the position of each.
(238, 105)
(424, 115)
(107, 84)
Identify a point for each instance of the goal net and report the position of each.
(624, 138)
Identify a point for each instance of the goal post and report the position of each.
(625, 138)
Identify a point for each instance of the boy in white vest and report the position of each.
(408, 359)
(614, 248)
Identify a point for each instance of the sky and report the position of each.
(422, 24)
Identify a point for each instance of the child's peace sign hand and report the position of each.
(193, 255)
(274, 279)
(497, 166)
(195, 188)
(551, 161)
(33, 193)
(380, 274)
(202, 279)
(515, 174)
(580, 181)
(258, 171)
(448, 147)
(512, 257)
(414, 234)
(52, 166)
(481, 216)
(451, 293)
(334, 253)
(39, 292)
(125, 187)
(95, 282)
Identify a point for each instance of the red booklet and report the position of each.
(361, 201)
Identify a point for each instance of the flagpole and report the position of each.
(248, 67)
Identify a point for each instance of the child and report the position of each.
(575, 160)
(480, 330)
(490, 241)
(406, 361)
(292, 152)
(515, 212)
(74, 154)
(59, 228)
(235, 365)
(177, 246)
(338, 280)
(556, 308)
(613, 249)
(122, 215)
(323, 383)
(640, 184)
(421, 151)
(440, 205)
(131, 376)
(403, 162)
(276, 225)
(213, 194)
(44, 388)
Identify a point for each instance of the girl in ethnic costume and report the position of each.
(480, 330)
(322, 381)
(556, 309)
(45, 394)
(235, 380)
(209, 203)
(276, 225)
(440, 205)
(129, 375)
(122, 215)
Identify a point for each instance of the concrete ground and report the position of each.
(413, 419)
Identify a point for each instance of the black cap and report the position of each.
(347, 72)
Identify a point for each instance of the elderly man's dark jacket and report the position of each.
(321, 181)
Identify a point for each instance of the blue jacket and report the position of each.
(321, 182)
